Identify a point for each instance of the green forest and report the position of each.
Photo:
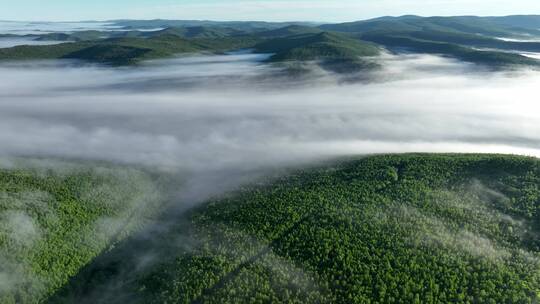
(414, 228)
(57, 216)
(342, 48)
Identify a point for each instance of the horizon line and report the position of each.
(266, 21)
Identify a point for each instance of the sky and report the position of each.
(265, 10)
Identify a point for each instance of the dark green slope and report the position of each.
(89, 35)
(56, 37)
(319, 43)
(197, 32)
(159, 47)
(294, 44)
(452, 36)
(225, 44)
(110, 53)
(124, 51)
(289, 31)
(475, 41)
(492, 58)
(334, 51)
(463, 24)
(202, 32)
(238, 25)
(466, 24)
(381, 24)
(79, 36)
(25, 52)
(518, 21)
(382, 229)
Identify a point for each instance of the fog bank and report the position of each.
(216, 112)
(38, 28)
(7, 42)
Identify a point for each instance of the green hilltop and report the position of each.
(197, 32)
(457, 37)
(334, 51)
(489, 58)
(125, 51)
(289, 31)
(237, 25)
(462, 24)
(316, 46)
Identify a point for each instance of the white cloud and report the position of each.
(215, 113)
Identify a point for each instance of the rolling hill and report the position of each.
(475, 41)
(383, 229)
(462, 24)
(197, 32)
(337, 47)
(78, 36)
(518, 21)
(289, 31)
(238, 25)
(335, 51)
(182, 32)
(457, 37)
(126, 51)
(488, 58)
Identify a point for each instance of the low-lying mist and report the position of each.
(7, 42)
(221, 112)
(37, 28)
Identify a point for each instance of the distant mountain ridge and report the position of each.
(239, 25)
(468, 24)
(466, 38)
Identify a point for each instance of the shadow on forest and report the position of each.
(250, 261)
(107, 279)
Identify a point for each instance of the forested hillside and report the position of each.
(335, 52)
(499, 43)
(382, 229)
(126, 51)
(55, 217)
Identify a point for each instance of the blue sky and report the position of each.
(270, 10)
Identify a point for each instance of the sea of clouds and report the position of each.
(231, 111)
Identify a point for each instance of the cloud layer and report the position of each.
(205, 113)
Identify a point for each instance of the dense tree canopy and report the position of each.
(383, 229)
(55, 217)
